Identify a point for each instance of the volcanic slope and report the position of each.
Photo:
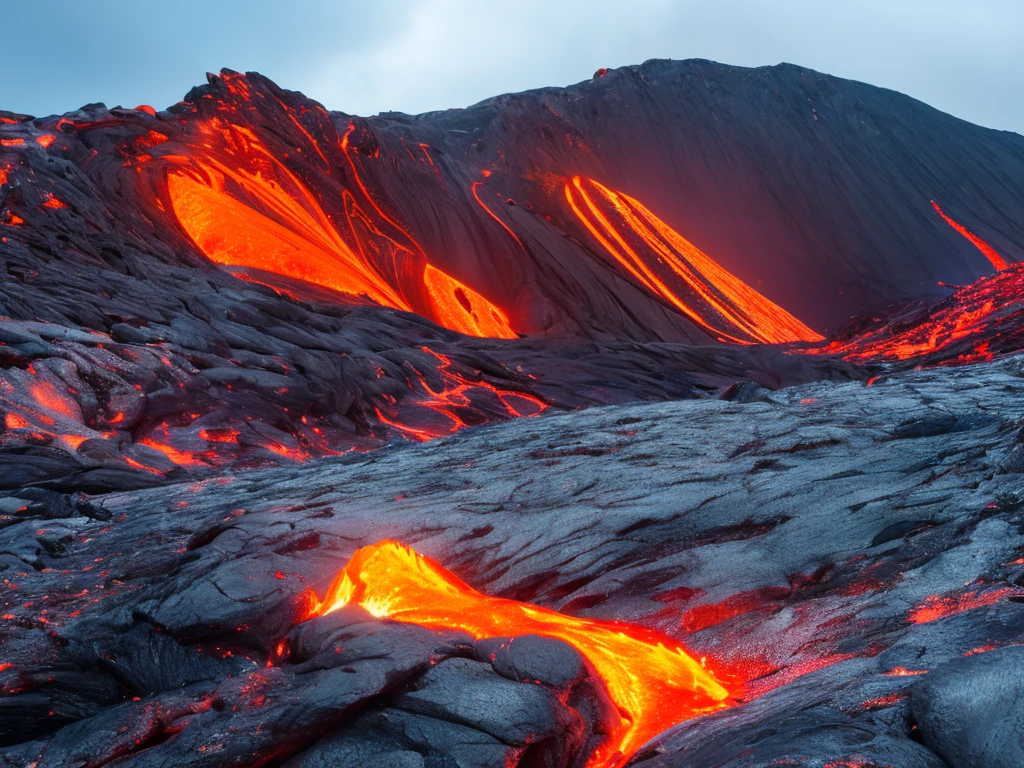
(598, 221)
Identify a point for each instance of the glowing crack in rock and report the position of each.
(650, 677)
(666, 264)
(448, 405)
(990, 253)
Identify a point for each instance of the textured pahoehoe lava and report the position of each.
(671, 267)
(446, 407)
(654, 682)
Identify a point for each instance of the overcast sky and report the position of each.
(365, 56)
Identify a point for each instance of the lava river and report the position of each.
(651, 678)
(243, 207)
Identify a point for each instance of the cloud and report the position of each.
(418, 55)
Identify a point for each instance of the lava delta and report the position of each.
(667, 419)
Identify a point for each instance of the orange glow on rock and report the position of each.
(45, 140)
(16, 421)
(52, 400)
(53, 203)
(935, 607)
(492, 214)
(652, 679)
(904, 672)
(181, 458)
(222, 435)
(990, 253)
(455, 395)
(458, 306)
(667, 265)
(4, 171)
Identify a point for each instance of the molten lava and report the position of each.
(990, 253)
(244, 208)
(650, 677)
(669, 266)
(936, 607)
(977, 322)
(458, 306)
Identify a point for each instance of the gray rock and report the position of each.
(971, 710)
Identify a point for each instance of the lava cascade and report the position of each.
(243, 207)
(654, 682)
(669, 266)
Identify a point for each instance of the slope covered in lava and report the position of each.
(641, 231)
(206, 297)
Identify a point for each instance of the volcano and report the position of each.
(301, 462)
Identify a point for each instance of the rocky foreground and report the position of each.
(848, 560)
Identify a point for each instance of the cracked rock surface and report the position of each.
(845, 556)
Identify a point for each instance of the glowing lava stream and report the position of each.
(990, 253)
(667, 264)
(650, 677)
(459, 307)
(256, 213)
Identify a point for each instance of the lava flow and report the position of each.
(990, 253)
(243, 207)
(669, 266)
(976, 323)
(651, 678)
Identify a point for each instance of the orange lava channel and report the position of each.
(459, 306)
(651, 678)
(255, 213)
(669, 266)
(990, 253)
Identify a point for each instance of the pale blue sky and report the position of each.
(963, 56)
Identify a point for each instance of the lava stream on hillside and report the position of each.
(975, 324)
(652, 679)
(671, 267)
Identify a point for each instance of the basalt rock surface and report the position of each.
(828, 548)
